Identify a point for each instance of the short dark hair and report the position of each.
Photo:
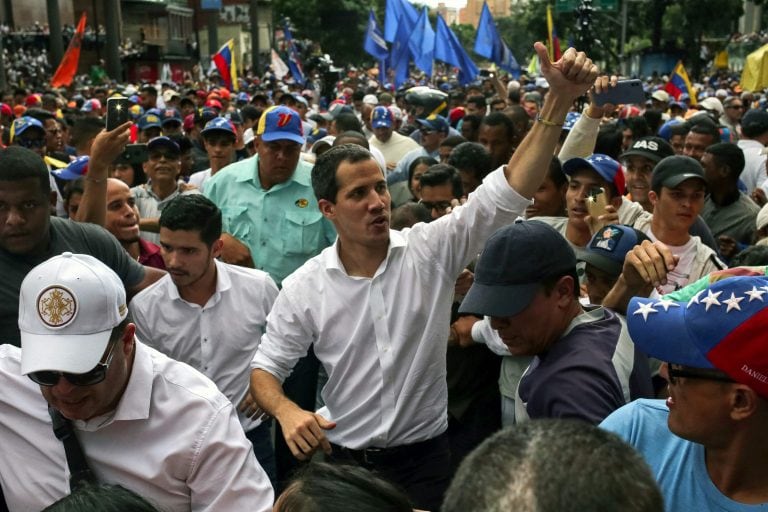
(101, 498)
(752, 256)
(358, 95)
(356, 136)
(500, 119)
(85, 129)
(477, 99)
(453, 141)
(441, 174)
(348, 123)
(408, 214)
(556, 173)
(340, 487)
(39, 114)
(679, 129)
(18, 164)
(548, 283)
(324, 181)
(149, 89)
(728, 155)
(530, 467)
(609, 140)
(471, 157)
(705, 126)
(193, 212)
(250, 113)
(473, 119)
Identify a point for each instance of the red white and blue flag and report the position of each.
(679, 84)
(294, 61)
(224, 60)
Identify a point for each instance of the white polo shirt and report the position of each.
(173, 439)
(218, 339)
(382, 339)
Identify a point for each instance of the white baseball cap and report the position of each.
(68, 306)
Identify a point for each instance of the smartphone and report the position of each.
(626, 92)
(134, 154)
(117, 112)
(596, 203)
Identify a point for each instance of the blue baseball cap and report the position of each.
(608, 247)
(219, 124)
(382, 117)
(163, 142)
(76, 169)
(570, 120)
(608, 169)
(514, 262)
(281, 123)
(435, 123)
(171, 115)
(149, 121)
(24, 123)
(723, 326)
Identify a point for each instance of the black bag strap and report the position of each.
(79, 471)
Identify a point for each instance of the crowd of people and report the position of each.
(504, 296)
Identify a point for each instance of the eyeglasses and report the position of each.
(30, 143)
(676, 371)
(737, 107)
(157, 155)
(440, 206)
(98, 374)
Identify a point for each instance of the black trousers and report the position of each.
(422, 470)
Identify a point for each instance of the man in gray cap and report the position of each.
(585, 365)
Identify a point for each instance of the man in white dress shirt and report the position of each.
(142, 420)
(206, 313)
(377, 305)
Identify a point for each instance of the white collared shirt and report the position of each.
(382, 339)
(218, 339)
(173, 439)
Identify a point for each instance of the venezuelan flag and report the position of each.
(553, 41)
(679, 83)
(224, 60)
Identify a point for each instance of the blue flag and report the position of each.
(489, 44)
(374, 43)
(398, 11)
(448, 49)
(294, 61)
(422, 43)
(400, 54)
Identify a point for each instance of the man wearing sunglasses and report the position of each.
(706, 443)
(142, 420)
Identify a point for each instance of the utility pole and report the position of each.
(112, 17)
(55, 40)
(254, 15)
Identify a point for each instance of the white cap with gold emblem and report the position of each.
(68, 306)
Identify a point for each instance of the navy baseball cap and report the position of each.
(219, 124)
(149, 121)
(722, 326)
(514, 262)
(652, 148)
(163, 142)
(171, 115)
(382, 117)
(608, 247)
(608, 169)
(434, 123)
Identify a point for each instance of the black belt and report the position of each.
(393, 454)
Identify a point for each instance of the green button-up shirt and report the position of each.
(282, 226)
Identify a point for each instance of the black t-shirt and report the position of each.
(65, 235)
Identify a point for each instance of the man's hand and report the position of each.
(571, 76)
(602, 83)
(758, 196)
(611, 216)
(728, 246)
(107, 146)
(304, 432)
(647, 265)
(235, 252)
(464, 282)
(462, 330)
(454, 203)
(251, 409)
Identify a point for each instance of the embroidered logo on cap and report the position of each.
(283, 120)
(608, 239)
(56, 307)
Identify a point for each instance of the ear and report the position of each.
(653, 197)
(217, 247)
(128, 340)
(327, 208)
(564, 291)
(743, 402)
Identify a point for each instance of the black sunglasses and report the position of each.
(98, 374)
(676, 371)
(30, 143)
